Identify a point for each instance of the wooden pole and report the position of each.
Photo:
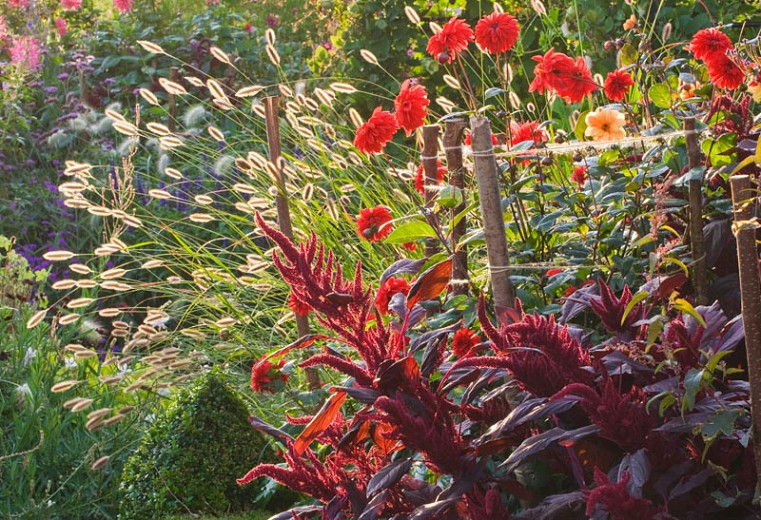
(283, 212)
(453, 131)
(430, 181)
(750, 294)
(697, 243)
(174, 74)
(491, 213)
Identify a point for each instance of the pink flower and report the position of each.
(249, 28)
(18, 4)
(61, 27)
(25, 52)
(3, 27)
(71, 5)
(123, 6)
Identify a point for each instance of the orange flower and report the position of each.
(605, 124)
(451, 40)
(497, 32)
(630, 23)
(410, 106)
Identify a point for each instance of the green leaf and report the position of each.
(581, 126)
(635, 300)
(410, 231)
(493, 91)
(720, 151)
(693, 383)
(628, 54)
(722, 422)
(653, 331)
(686, 307)
(450, 197)
(660, 95)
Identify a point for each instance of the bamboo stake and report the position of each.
(697, 240)
(430, 181)
(283, 212)
(491, 212)
(750, 293)
(453, 131)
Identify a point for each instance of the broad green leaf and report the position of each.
(686, 307)
(668, 260)
(722, 422)
(693, 383)
(581, 126)
(660, 95)
(635, 300)
(410, 231)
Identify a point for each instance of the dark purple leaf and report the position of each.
(398, 305)
(405, 266)
(430, 284)
(507, 424)
(727, 291)
(556, 507)
(479, 384)
(420, 492)
(671, 475)
(637, 465)
(432, 357)
(432, 336)
(577, 303)
(680, 425)
(732, 334)
(688, 484)
(539, 443)
(288, 515)
(458, 377)
(333, 509)
(372, 508)
(665, 385)
(388, 476)
(267, 428)
(357, 433)
(416, 314)
(363, 395)
(464, 483)
(617, 363)
(717, 235)
(433, 509)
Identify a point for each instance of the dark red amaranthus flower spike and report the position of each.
(611, 309)
(340, 305)
(622, 417)
(614, 498)
(541, 355)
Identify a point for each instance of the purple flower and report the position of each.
(271, 20)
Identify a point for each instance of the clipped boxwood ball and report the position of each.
(190, 456)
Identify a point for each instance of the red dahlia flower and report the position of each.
(497, 32)
(579, 175)
(452, 39)
(463, 341)
(724, 72)
(708, 43)
(617, 85)
(410, 106)
(528, 131)
(389, 288)
(558, 73)
(373, 223)
(267, 377)
(441, 170)
(376, 132)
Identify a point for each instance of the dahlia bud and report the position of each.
(443, 57)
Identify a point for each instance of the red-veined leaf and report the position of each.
(431, 283)
(319, 422)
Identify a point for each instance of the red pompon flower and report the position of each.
(297, 306)
(579, 84)
(616, 500)
(528, 131)
(441, 170)
(451, 40)
(617, 85)
(551, 71)
(410, 106)
(376, 132)
(267, 377)
(123, 6)
(409, 246)
(579, 175)
(497, 32)
(389, 288)
(709, 43)
(373, 223)
(552, 272)
(463, 341)
(724, 72)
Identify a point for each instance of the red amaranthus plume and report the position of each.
(542, 356)
(611, 309)
(622, 417)
(616, 500)
(342, 306)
